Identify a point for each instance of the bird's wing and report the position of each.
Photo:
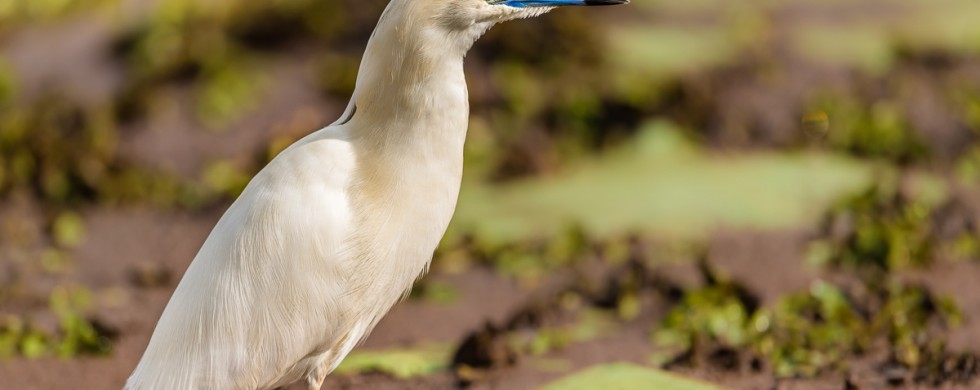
(259, 295)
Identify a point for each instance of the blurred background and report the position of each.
(758, 195)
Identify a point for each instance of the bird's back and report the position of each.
(261, 296)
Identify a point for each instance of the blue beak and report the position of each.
(553, 3)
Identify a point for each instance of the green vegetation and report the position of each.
(17, 13)
(717, 313)
(401, 363)
(806, 334)
(75, 335)
(896, 223)
(809, 332)
(863, 40)
(885, 228)
(436, 292)
(624, 376)
(64, 155)
(661, 183)
(881, 131)
(589, 325)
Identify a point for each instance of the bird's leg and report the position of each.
(314, 381)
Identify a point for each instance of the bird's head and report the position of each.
(496, 11)
(458, 23)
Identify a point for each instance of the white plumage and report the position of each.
(334, 231)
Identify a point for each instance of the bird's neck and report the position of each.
(411, 96)
(407, 132)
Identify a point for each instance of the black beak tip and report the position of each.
(606, 2)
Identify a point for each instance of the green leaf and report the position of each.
(436, 292)
(625, 376)
(33, 345)
(399, 363)
(68, 229)
(659, 183)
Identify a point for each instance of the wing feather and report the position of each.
(261, 293)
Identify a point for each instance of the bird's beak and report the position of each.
(554, 3)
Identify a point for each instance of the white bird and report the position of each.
(336, 229)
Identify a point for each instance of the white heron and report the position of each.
(336, 229)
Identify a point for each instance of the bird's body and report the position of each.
(336, 229)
